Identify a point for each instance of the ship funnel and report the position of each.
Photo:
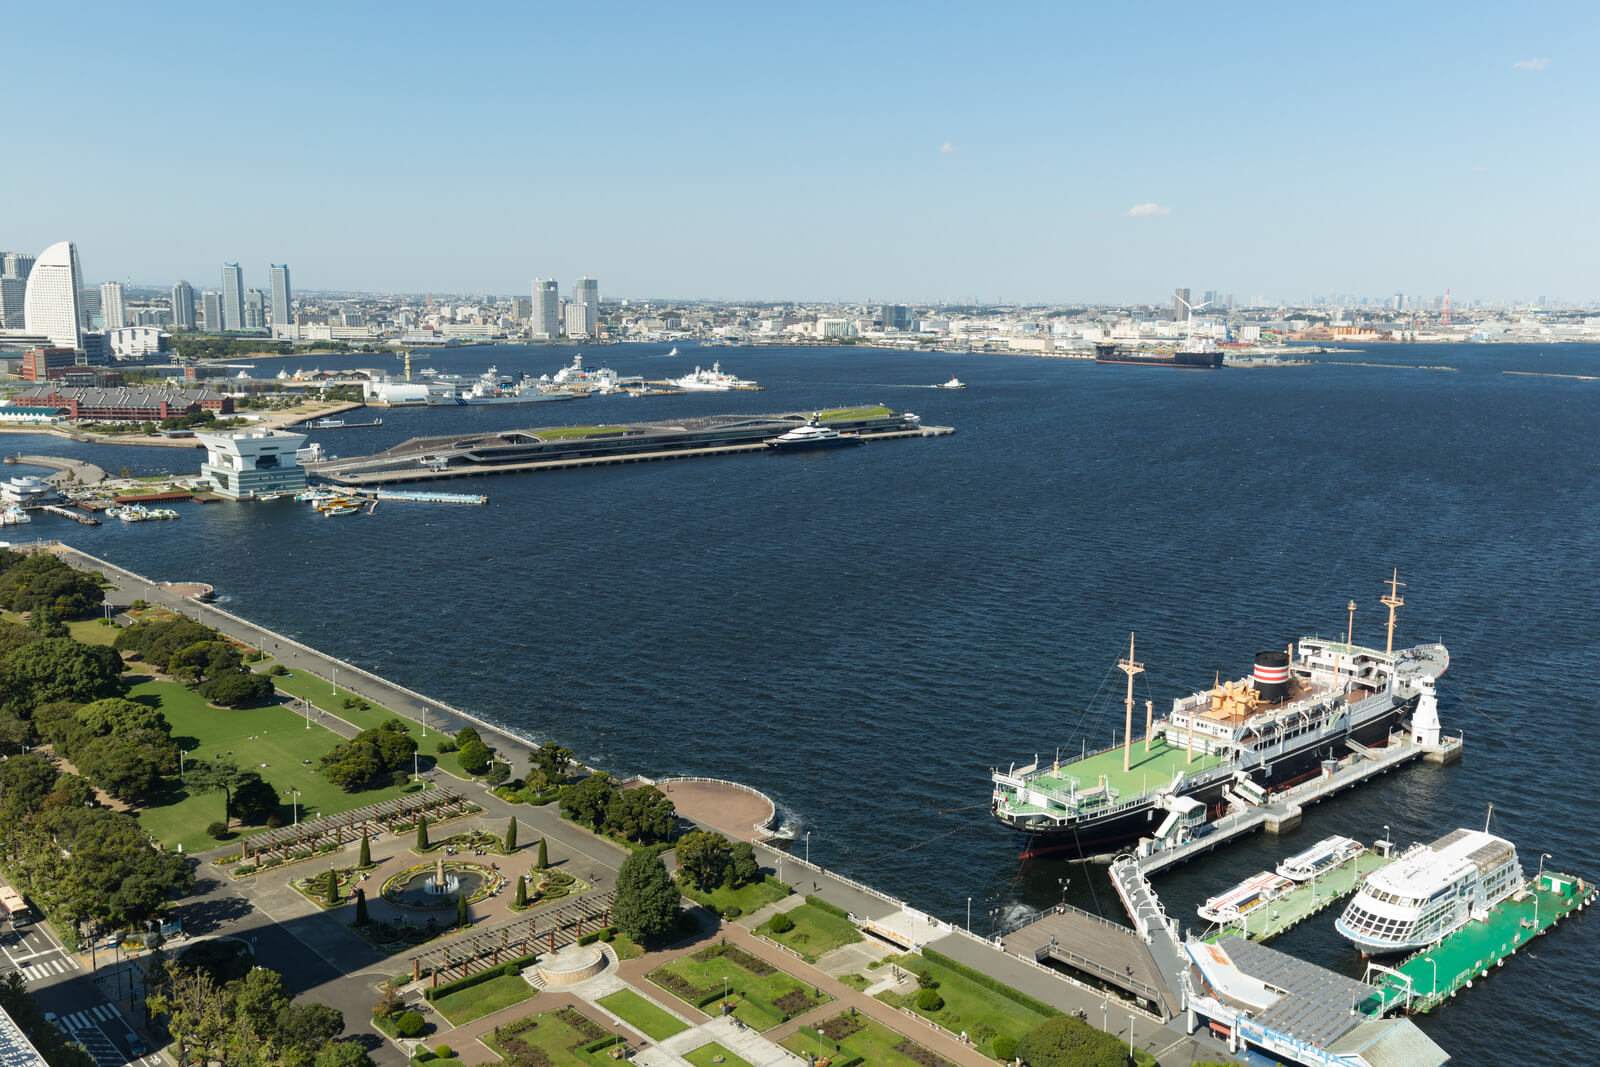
(1272, 676)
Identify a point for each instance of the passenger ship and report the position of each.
(1229, 744)
(1430, 892)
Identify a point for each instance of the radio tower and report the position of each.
(1446, 319)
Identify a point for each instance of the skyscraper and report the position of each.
(50, 305)
(546, 310)
(896, 317)
(16, 265)
(211, 308)
(280, 295)
(113, 311)
(232, 297)
(183, 306)
(587, 293)
(1180, 305)
(255, 309)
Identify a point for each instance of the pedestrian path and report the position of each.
(100, 1013)
(59, 965)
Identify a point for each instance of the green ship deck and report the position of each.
(1148, 772)
(1438, 973)
(1302, 902)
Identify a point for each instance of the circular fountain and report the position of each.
(436, 887)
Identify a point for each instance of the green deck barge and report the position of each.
(1430, 977)
(1294, 907)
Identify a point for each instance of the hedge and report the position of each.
(505, 969)
(823, 905)
(978, 977)
(605, 933)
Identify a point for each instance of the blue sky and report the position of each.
(817, 151)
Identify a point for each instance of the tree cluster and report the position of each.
(643, 815)
(41, 581)
(53, 1044)
(647, 901)
(122, 746)
(367, 758)
(199, 655)
(706, 860)
(248, 1022)
(245, 794)
(1063, 1041)
(56, 668)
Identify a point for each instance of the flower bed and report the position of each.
(737, 956)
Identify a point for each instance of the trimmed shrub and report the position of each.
(410, 1024)
(1005, 1048)
(734, 911)
(823, 905)
(444, 1052)
(217, 830)
(929, 1000)
(780, 923)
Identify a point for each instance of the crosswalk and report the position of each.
(45, 968)
(79, 1020)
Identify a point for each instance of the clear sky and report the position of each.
(929, 151)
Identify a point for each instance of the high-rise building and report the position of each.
(281, 295)
(51, 305)
(232, 297)
(579, 322)
(211, 310)
(16, 265)
(255, 309)
(896, 317)
(13, 291)
(1180, 305)
(1399, 301)
(546, 309)
(113, 310)
(587, 293)
(183, 306)
(521, 308)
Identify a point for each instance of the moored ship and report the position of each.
(1320, 700)
(1197, 353)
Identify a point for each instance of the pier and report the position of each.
(1099, 949)
(424, 496)
(71, 513)
(1284, 913)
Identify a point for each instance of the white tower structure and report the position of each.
(51, 306)
(253, 463)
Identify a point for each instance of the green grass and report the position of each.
(877, 411)
(966, 1004)
(701, 1057)
(719, 972)
(273, 735)
(557, 433)
(874, 1043)
(815, 932)
(554, 1038)
(747, 898)
(855, 981)
(474, 1002)
(642, 1015)
(322, 694)
(84, 631)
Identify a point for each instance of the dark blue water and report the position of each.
(863, 633)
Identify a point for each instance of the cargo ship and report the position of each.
(1197, 353)
(1315, 702)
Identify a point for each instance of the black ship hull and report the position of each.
(1116, 832)
(1181, 360)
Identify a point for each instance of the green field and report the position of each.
(747, 898)
(557, 433)
(815, 932)
(474, 1002)
(273, 736)
(967, 1004)
(702, 1057)
(877, 411)
(559, 1041)
(323, 695)
(760, 1000)
(872, 1041)
(642, 1015)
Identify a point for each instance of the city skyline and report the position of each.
(1052, 156)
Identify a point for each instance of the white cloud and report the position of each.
(948, 149)
(1147, 211)
(1530, 64)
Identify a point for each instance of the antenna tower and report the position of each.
(1446, 319)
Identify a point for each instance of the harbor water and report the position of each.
(862, 633)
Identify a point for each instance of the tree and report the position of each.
(465, 734)
(553, 760)
(122, 768)
(511, 834)
(422, 833)
(238, 690)
(647, 901)
(461, 909)
(208, 776)
(586, 802)
(45, 581)
(522, 892)
(254, 798)
(499, 771)
(24, 781)
(392, 744)
(362, 919)
(544, 856)
(644, 814)
(157, 642)
(205, 659)
(474, 757)
(260, 998)
(119, 716)
(333, 886)
(1063, 1041)
(306, 1029)
(704, 858)
(344, 1054)
(352, 766)
(743, 868)
(59, 668)
(364, 858)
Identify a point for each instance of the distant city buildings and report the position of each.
(281, 296)
(113, 307)
(1180, 305)
(255, 309)
(51, 304)
(896, 317)
(546, 323)
(580, 320)
(232, 298)
(183, 306)
(587, 293)
(211, 310)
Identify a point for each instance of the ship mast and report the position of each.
(1149, 722)
(1392, 599)
(1130, 667)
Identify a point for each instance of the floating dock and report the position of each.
(1429, 978)
(424, 496)
(1284, 913)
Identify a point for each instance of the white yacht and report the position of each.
(812, 436)
(1320, 858)
(1431, 891)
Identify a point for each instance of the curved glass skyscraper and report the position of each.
(50, 306)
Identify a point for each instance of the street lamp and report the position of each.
(1130, 1038)
(969, 916)
(1542, 857)
(1435, 963)
(1105, 1017)
(424, 720)
(808, 848)
(305, 705)
(296, 802)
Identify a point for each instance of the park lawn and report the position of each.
(747, 898)
(474, 1002)
(91, 631)
(322, 694)
(273, 735)
(711, 974)
(874, 1043)
(815, 932)
(642, 1015)
(967, 1002)
(558, 1040)
(701, 1057)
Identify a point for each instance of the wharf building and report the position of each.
(124, 404)
(183, 306)
(251, 463)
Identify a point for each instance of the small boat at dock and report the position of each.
(1320, 858)
(1254, 892)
